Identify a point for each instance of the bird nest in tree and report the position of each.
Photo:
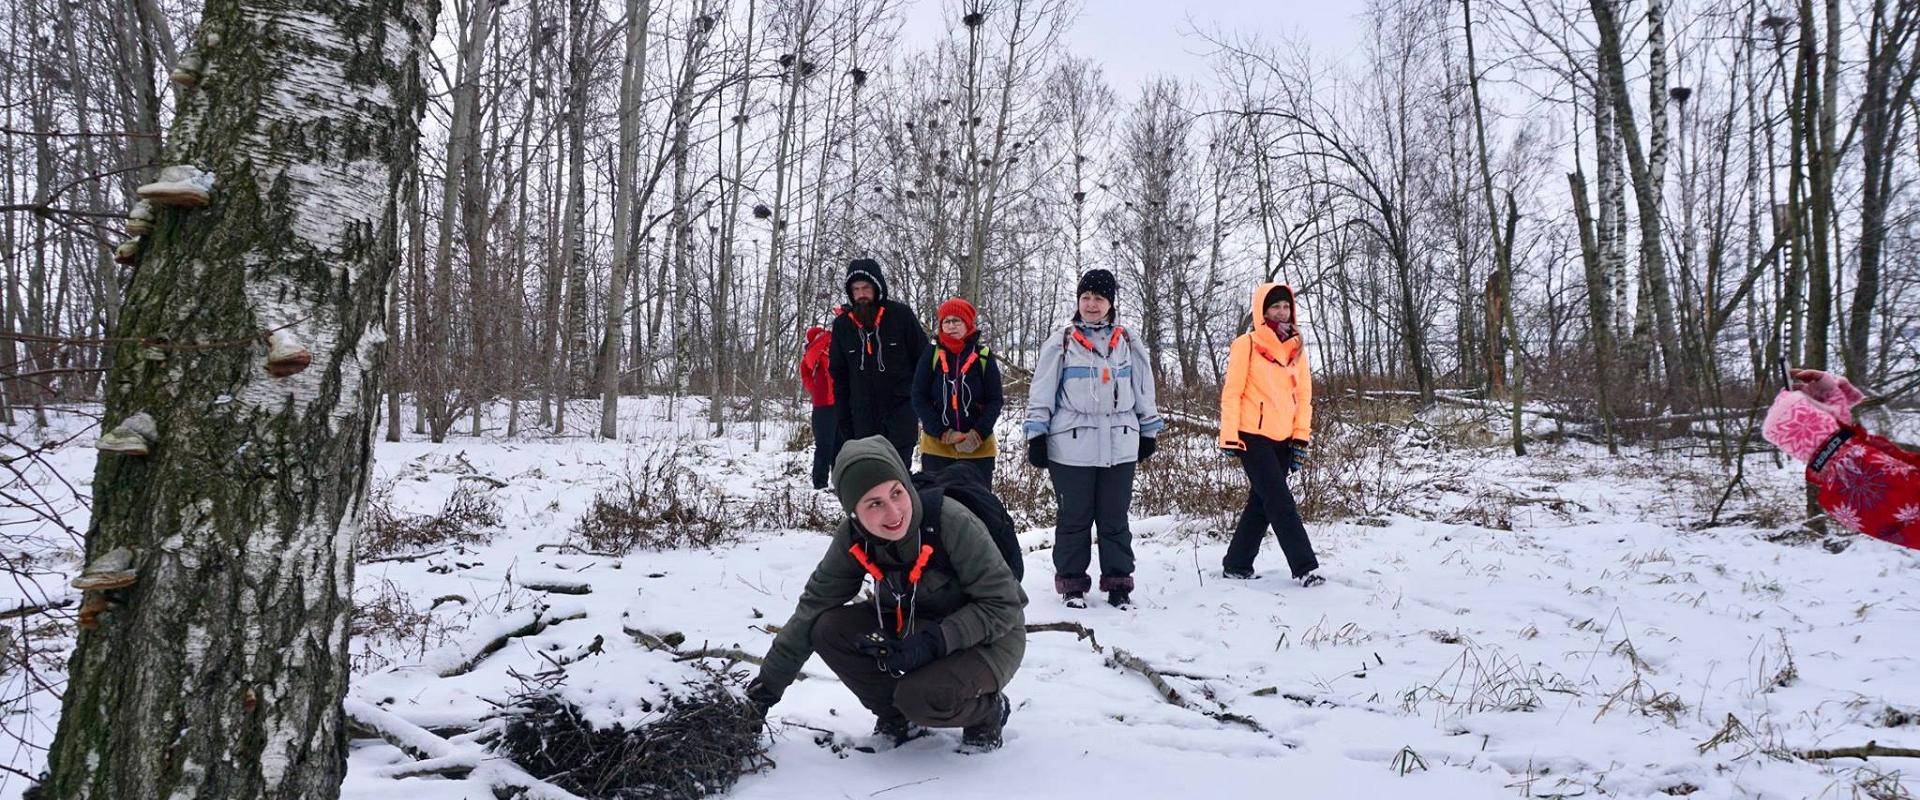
(699, 745)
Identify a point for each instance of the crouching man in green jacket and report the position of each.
(945, 631)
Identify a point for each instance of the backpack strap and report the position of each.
(931, 499)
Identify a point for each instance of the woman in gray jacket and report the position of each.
(1090, 416)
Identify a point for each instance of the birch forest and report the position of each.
(438, 220)
(1621, 210)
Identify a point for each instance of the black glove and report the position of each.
(1296, 452)
(901, 656)
(761, 699)
(1037, 451)
(1148, 444)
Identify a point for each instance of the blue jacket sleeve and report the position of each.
(1044, 390)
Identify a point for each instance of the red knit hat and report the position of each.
(957, 308)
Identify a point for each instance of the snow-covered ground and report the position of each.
(1606, 645)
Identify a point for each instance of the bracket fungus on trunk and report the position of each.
(112, 570)
(187, 71)
(140, 219)
(127, 252)
(134, 436)
(180, 186)
(285, 354)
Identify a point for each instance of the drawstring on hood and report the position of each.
(862, 465)
(867, 269)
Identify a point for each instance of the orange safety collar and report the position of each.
(940, 356)
(1106, 373)
(877, 317)
(880, 578)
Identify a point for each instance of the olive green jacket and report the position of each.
(982, 606)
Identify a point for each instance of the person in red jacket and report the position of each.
(1866, 483)
(826, 429)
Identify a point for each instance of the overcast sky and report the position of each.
(1134, 40)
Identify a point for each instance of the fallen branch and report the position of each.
(729, 653)
(593, 648)
(1869, 750)
(528, 623)
(486, 479)
(559, 586)
(434, 755)
(562, 547)
(415, 741)
(404, 556)
(451, 767)
(1130, 661)
(1083, 632)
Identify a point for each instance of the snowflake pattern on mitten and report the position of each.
(1798, 425)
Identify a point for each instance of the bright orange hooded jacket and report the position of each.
(1269, 390)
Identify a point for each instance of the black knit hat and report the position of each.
(1098, 281)
(1278, 294)
(866, 269)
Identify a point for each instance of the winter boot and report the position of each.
(1075, 599)
(987, 735)
(1120, 599)
(1311, 580)
(893, 731)
(1238, 574)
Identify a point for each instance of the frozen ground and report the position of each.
(1603, 646)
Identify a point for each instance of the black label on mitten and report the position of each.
(1827, 450)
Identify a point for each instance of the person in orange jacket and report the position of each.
(826, 428)
(1266, 420)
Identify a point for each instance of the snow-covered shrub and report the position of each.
(658, 504)
(387, 627)
(469, 515)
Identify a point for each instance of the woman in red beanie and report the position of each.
(957, 396)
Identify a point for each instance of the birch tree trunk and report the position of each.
(1646, 165)
(220, 672)
(633, 80)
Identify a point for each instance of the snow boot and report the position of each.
(1311, 580)
(987, 736)
(1238, 574)
(891, 732)
(1120, 599)
(1075, 599)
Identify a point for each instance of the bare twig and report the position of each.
(1084, 633)
(1868, 750)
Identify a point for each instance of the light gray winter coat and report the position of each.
(1092, 396)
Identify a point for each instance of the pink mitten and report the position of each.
(1798, 424)
(1830, 389)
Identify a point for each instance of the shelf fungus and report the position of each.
(127, 252)
(140, 219)
(112, 570)
(285, 355)
(180, 186)
(134, 436)
(187, 71)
